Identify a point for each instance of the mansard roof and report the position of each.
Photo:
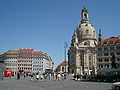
(111, 41)
(26, 53)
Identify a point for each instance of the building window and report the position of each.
(118, 59)
(112, 53)
(87, 32)
(105, 48)
(111, 42)
(100, 60)
(118, 47)
(118, 53)
(105, 54)
(105, 43)
(99, 54)
(99, 49)
(117, 42)
(85, 16)
(106, 60)
(94, 32)
(63, 69)
(111, 48)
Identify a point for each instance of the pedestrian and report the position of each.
(63, 76)
(24, 75)
(56, 76)
(18, 75)
(59, 76)
(31, 76)
(45, 77)
(37, 76)
(41, 77)
(50, 76)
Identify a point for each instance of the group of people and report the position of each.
(47, 76)
(42, 76)
(19, 75)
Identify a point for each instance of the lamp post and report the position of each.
(65, 47)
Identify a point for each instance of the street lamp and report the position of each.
(65, 47)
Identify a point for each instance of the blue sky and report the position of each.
(46, 24)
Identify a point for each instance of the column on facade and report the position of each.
(77, 63)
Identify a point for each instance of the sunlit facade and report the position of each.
(105, 49)
(27, 60)
(82, 54)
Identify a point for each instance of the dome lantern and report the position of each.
(84, 16)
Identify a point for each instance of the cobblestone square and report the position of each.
(68, 84)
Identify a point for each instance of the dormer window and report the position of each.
(105, 43)
(105, 48)
(117, 42)
(111, 42)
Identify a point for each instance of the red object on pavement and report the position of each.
(8, 72)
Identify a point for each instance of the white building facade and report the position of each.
(27, 60)
(42, 64)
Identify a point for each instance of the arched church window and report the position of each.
(86, 24)
(85, 43)
(63, 69)
(87, 32)
(94, 32)
(85, 16)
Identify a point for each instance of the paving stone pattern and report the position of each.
(68, 84)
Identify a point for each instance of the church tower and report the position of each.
(100, 38)
(81, 54)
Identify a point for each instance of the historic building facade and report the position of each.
(62, 67)
(10, 59)
(82, 54)
(28, 60)
(105, 50)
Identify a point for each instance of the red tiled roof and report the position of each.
(25, 49)
(111, 39)
(27, 53)
(63, 63)
(12, 51)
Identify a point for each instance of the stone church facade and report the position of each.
(82, 54)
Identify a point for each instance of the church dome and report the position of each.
(85, 29)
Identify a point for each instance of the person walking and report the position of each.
(18, 75)
(31, 75)
(59, 76)
(37, 77)
(41, 77)
(24, 74)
